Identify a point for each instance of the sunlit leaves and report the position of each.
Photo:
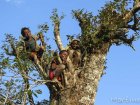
(55, 17)
(43, 27)
(108, 26)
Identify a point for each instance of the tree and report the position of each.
(116, 24)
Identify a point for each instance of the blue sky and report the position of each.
(122, 75)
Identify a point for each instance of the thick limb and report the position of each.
(56, 21)
(34, 58)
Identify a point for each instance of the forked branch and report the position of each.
(56, 22)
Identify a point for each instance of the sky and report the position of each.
(120, 85)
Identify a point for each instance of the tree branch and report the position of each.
(57, 36)
(56, 22)
(131, 13)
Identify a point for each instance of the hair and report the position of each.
(74, 40)
(24, 28)
(56, 61)
(62, 51)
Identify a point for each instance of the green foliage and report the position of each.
(43, 28)
(38, 91)
(70, 37)
(55, 17)
(44, 102)
(18, 71)
(88, 24)
(109, 26)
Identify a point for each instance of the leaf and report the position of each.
(34, 94)
(38, 91)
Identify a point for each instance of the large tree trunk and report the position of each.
(85, 88)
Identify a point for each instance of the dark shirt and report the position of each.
(30, 44)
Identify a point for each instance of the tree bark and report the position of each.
(83, 92)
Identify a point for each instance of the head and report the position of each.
(54, 64)
(63, 55)
(26, 33)
(75, 44)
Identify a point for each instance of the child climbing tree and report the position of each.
(72, 74)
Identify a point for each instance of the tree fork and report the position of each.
(85, 88)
